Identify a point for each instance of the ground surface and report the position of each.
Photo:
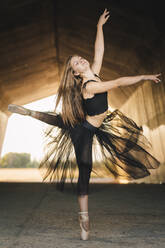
(36, 215)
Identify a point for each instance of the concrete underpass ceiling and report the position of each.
(36, 37)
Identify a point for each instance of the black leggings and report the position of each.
(82, 138)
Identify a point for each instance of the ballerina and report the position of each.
(84, 118)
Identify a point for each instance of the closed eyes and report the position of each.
(77, 62)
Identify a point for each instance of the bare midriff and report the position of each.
(96, 120)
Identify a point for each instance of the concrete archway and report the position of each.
(37, 36)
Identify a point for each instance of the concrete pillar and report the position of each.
(3, 125)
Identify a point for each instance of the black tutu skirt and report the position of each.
(119, 150)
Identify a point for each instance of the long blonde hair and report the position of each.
(69, 92)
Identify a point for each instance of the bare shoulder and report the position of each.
(85, 90)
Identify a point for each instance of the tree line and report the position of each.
(18, 160)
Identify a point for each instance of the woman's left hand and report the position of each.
(103, 18)
(153, 77)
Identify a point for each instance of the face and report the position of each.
(79, 64)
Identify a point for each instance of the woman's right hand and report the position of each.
(103, 18)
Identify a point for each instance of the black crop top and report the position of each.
(98, 104)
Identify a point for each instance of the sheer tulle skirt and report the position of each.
(119, 149)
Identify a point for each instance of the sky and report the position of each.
(24, 133)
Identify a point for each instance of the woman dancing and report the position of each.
(85, 123)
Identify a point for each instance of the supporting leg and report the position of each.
(82, 139)
(82, 188)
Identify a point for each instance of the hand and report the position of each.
(153, 77)
(103, 18)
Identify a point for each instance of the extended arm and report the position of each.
(99, 43)
(125, 81)
(96, 87)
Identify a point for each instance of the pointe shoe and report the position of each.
(84, 225)
(18, 109)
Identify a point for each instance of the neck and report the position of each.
(87, 75)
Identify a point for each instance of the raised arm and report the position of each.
(95, 87)
(99, 43)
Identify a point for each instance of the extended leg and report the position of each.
(52, 119)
